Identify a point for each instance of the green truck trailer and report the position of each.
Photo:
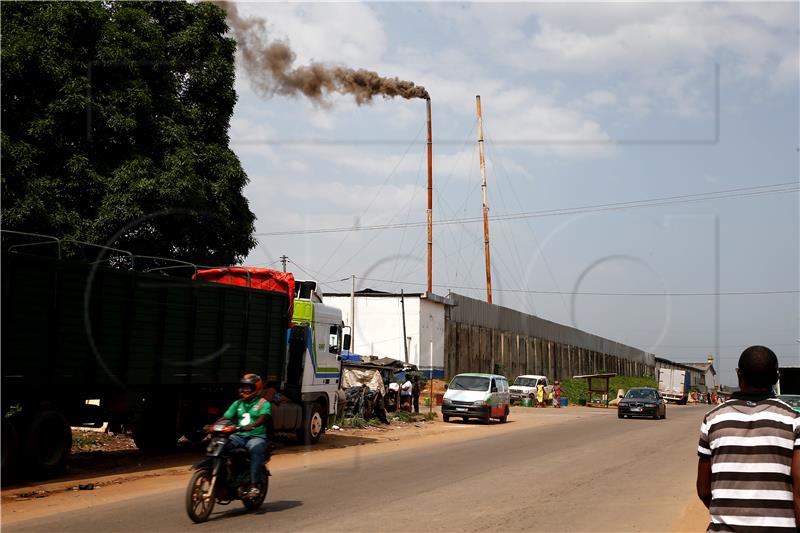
(162, 354)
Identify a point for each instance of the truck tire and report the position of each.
(313, 424)
(48, 442)
(10, 446)
(504, 418)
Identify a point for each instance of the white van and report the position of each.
(483, 396)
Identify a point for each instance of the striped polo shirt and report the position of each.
(750, 441)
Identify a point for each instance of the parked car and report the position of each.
(525, 387)
(483, 396)
(642, 401)
(792, 399)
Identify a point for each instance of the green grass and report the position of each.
(89, 438)
(576, 389)
(358, 422)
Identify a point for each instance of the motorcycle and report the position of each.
(223, 476)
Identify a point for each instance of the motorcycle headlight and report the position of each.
(479, 403)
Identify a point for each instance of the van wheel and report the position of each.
(445, 418)
(504, 418)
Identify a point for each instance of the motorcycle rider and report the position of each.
(251, 412)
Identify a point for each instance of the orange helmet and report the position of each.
(254, 381)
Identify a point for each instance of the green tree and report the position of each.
(115, 118)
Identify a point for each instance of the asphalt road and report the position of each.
(545, 470)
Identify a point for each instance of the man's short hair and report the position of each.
(758, 365)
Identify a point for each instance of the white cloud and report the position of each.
(343, 33)
(595, 99)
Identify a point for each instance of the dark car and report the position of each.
(642, 401)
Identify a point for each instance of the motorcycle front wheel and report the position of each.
(254, 503)
(198, 506)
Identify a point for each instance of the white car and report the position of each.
(525, 387)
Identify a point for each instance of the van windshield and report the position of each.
(525, 382)
(470, 383)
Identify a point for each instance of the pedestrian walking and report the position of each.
(415, 392)
(539, 395)
(405, 394)
(748, 471)
(557, 394)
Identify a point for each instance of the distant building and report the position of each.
(378, 327)
(708, 376)
(703, 377)
(445, 336)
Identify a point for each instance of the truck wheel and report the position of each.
(313, 424)
(504, 418)
(445, 418)
(10, 446)
(48, 442)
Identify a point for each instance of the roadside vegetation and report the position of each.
(576, 389)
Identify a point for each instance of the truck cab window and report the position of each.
(335, 334)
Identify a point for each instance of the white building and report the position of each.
(378, 326)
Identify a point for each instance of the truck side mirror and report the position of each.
(445, 386)
(346, 342)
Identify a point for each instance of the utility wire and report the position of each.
(744, 192)
(526, 291)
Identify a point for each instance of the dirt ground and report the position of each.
(101, 459)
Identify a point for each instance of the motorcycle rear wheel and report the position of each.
(254, 503)
(197, 507)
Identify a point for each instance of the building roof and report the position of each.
(372, 293)
(705, 367)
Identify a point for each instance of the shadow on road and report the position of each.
(267, 507)
(85, 465)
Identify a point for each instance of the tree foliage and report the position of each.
(115, 120)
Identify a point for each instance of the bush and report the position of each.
(577, 389)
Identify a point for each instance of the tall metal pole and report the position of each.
(353, 314)
(283, 261)
(485, 208)
(430, 199)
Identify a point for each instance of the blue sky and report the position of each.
(584, 104)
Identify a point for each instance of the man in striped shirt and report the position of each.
(748, 474)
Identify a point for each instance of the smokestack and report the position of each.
(270, 65)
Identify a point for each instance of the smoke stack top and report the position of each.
(270, 65)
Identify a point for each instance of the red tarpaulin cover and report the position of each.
(264, 279)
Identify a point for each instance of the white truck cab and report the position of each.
(525, 387)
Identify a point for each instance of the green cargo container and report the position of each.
(73, 331)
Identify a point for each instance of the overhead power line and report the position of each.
(527, 291)
(743, 192)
